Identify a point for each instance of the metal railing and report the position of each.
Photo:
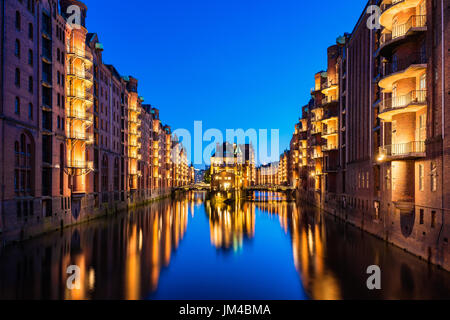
(80, 94)
(80, 164)
(417, 21)
(330, 131)
(84, 54)
(397, 65)
(329, 147)
(403, 149)
(80, 73)
(413, 97)
(80, 115)
(80, 135)
(329, 84)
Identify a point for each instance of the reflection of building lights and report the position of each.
(91, 279)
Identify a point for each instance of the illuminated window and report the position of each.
(421, 177)
(433, 177)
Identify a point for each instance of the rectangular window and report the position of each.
(422, 214)
(433, 177)
(433, 219)
(421, 177)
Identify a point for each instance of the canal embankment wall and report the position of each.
(412, 232)
(74, 212)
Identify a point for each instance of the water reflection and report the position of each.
(174, 250)
(230, 223)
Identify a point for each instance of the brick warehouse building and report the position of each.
(373, 143)
(76, 141)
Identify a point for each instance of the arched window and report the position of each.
(61, 168)
(30, 84)
(30, 31)
(116, 174)
(30, 57)
(18, 21)
(105, 173)
(17, 77)
(23, 166)
(17, 48)
(17, 106)
(30, 111)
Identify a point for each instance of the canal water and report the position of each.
(196, 248)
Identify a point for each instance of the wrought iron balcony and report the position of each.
(80, 136)
(80, 94)
(73, 113)
(79, 53)
(80, 164)
(80, 73)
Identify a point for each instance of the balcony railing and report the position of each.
(134, 108)
(80, 94)
(330, 131)
(403, 29)
(329, 147)
(397, 65)
(84, 54)
(80, 164)
(317, 155)
(316, 130)
(133, 132)
(80, 115)
(80, 135)
(329, 84)
(413, 97)
(80, 73)
(135, 120)
(403, 149)
(134, 155)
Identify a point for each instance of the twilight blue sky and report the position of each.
(230, 63)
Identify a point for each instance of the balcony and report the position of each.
(403, 151)
(135, 120)
(76, 114)
(134, 132)
(392, 8)
(331, 99)
(317, 155)
(408, 67)
(135, 144)
(329, 147)
(82, 95)
(84, 55)
(329, 86)
(135, 172)
(80, 73)
(400, 33)
(80, 164)
(134, 108)
(133, 154)
(80, 136)
(412, 102)
(330, 132)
